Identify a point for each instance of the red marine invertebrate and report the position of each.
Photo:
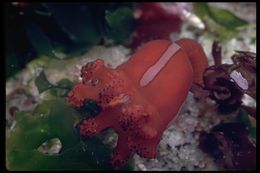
(140, 97)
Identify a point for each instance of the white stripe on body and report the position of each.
(154, 70)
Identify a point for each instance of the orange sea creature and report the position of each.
(140, 97)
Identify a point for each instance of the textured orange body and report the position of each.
(138, 113)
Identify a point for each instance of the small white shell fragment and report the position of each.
(193, 19)
(239, 79)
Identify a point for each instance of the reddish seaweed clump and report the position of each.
(230, 146)
(227, 83)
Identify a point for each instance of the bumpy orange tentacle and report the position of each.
(134, 119)
(144, 147)
(82, 92)
(121, 153)
(100, 122)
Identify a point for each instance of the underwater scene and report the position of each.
(148, 86)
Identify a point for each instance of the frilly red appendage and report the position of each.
(140, 97)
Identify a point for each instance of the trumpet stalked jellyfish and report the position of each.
(140, 97)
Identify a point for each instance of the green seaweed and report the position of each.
(77, 21)
(53, 119)
(120, 23)
(40, 42)
(221, 16)
(219, 21)
(42, 83)
(60, 89)
(62, 30)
